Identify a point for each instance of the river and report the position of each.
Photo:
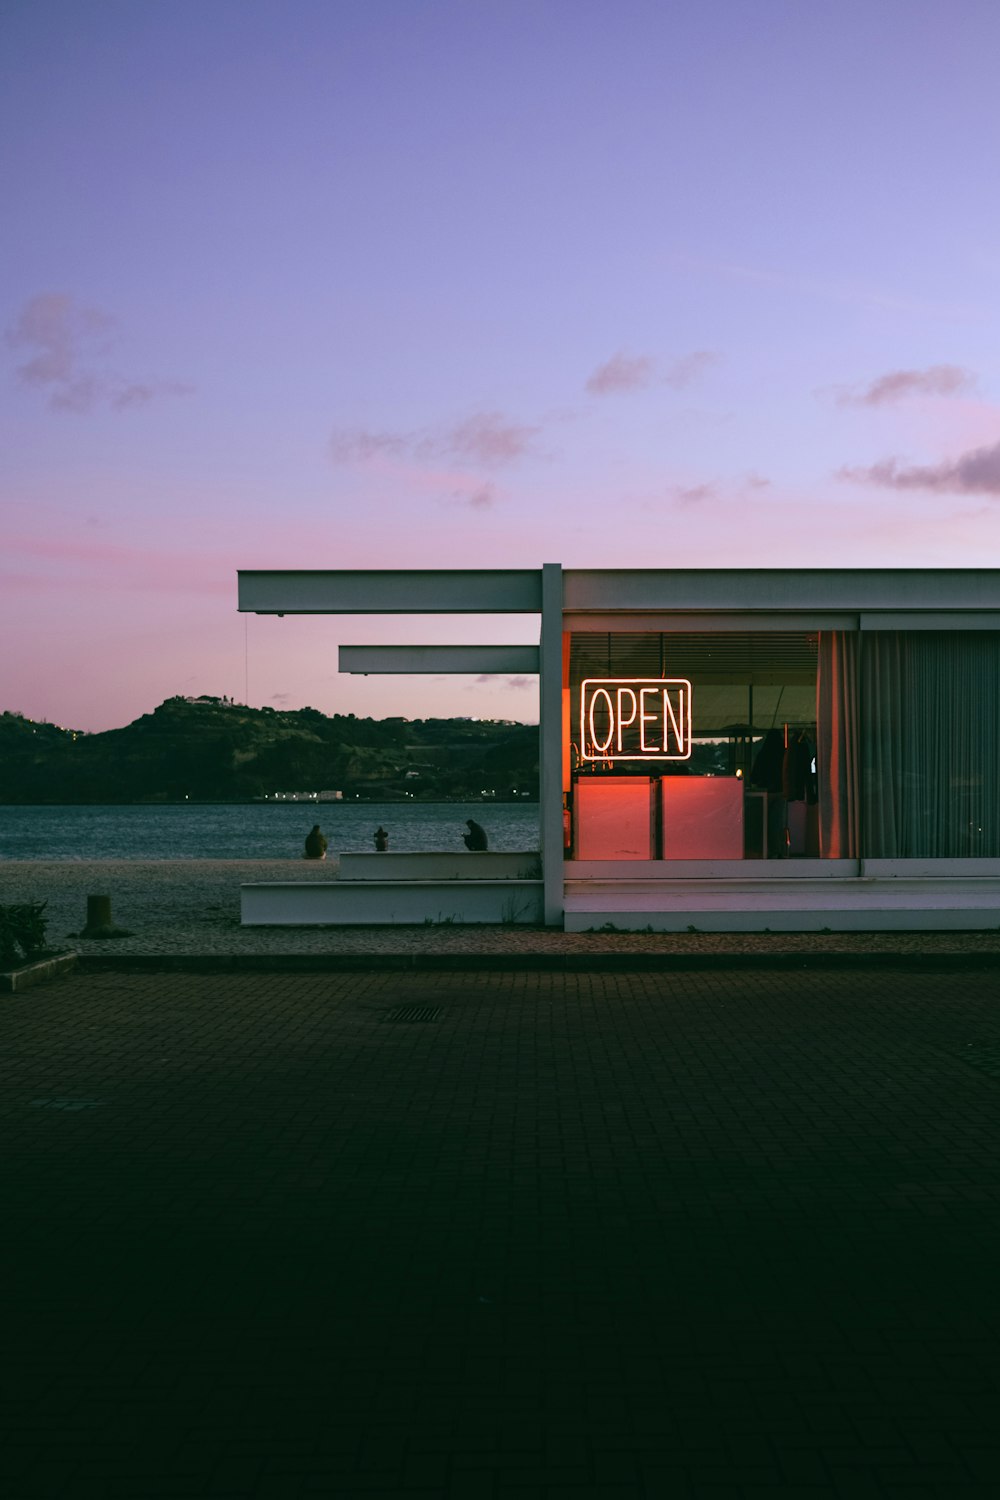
(255, 830)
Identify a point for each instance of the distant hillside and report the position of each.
(214, 750)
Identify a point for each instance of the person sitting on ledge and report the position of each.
(315, 844)
(381, 839)
(476, 838)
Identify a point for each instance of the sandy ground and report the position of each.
(193, 907)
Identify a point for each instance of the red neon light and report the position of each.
(635, 718)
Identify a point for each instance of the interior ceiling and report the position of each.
(734, 658)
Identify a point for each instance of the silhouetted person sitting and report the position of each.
(476, 836)
(381, 839)
(315, 844)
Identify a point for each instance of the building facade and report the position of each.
(734, 749)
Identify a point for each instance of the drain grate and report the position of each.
(413, 1013)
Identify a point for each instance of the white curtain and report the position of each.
(837, 744)
(930, 734)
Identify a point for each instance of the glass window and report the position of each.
(885, 744)
(930, 744)
(739, 782)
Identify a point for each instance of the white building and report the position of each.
(719, 749)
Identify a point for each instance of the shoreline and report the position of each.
(191, 907)
(303, 802)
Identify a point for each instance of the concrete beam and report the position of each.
(807, 589)
(433, 660)
(938, 620)
(401, 592)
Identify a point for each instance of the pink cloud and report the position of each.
(622, 372)
(690, 367)
(444, 485)
(59, 331)
(694, 494)
(508, 682)
(80, 394)
(487, 438)
(68, 341)
(898, 385)
(141, 393)
(481, 498)
(974, 473)
(358, 446)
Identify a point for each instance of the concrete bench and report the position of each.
(371, 903)
(460, 865)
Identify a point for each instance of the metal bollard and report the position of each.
(99, 921)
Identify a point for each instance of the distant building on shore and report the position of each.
(326, 796)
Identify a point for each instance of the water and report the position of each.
(256, 831)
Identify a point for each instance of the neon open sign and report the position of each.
(635, 718)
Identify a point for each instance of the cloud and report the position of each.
(688, 369)
(481, 498)
(692, 495)
(142, 392)
(637, 372)
(476, 496)
(68, 345)
(485, 678)
(622, 372)
(358, 446)
(81, 394)
(974, 473)
(487, 438)
(59, 331)
(897, 385)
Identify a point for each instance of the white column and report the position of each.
(550, 746)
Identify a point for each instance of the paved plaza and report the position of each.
(717, 1233)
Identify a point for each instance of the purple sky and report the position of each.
(393, 284)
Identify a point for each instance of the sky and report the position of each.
(474, 283)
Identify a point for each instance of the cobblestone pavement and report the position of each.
(713, 1234)
(185, 907)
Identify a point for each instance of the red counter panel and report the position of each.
(702, 817)
(614, 818)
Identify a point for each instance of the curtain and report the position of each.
(837, 744)
(930, 716)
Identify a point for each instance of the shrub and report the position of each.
(22, 932)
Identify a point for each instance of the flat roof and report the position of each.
(603, 590)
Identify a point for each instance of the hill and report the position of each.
(215, 750)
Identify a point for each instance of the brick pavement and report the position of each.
(696, 1234)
